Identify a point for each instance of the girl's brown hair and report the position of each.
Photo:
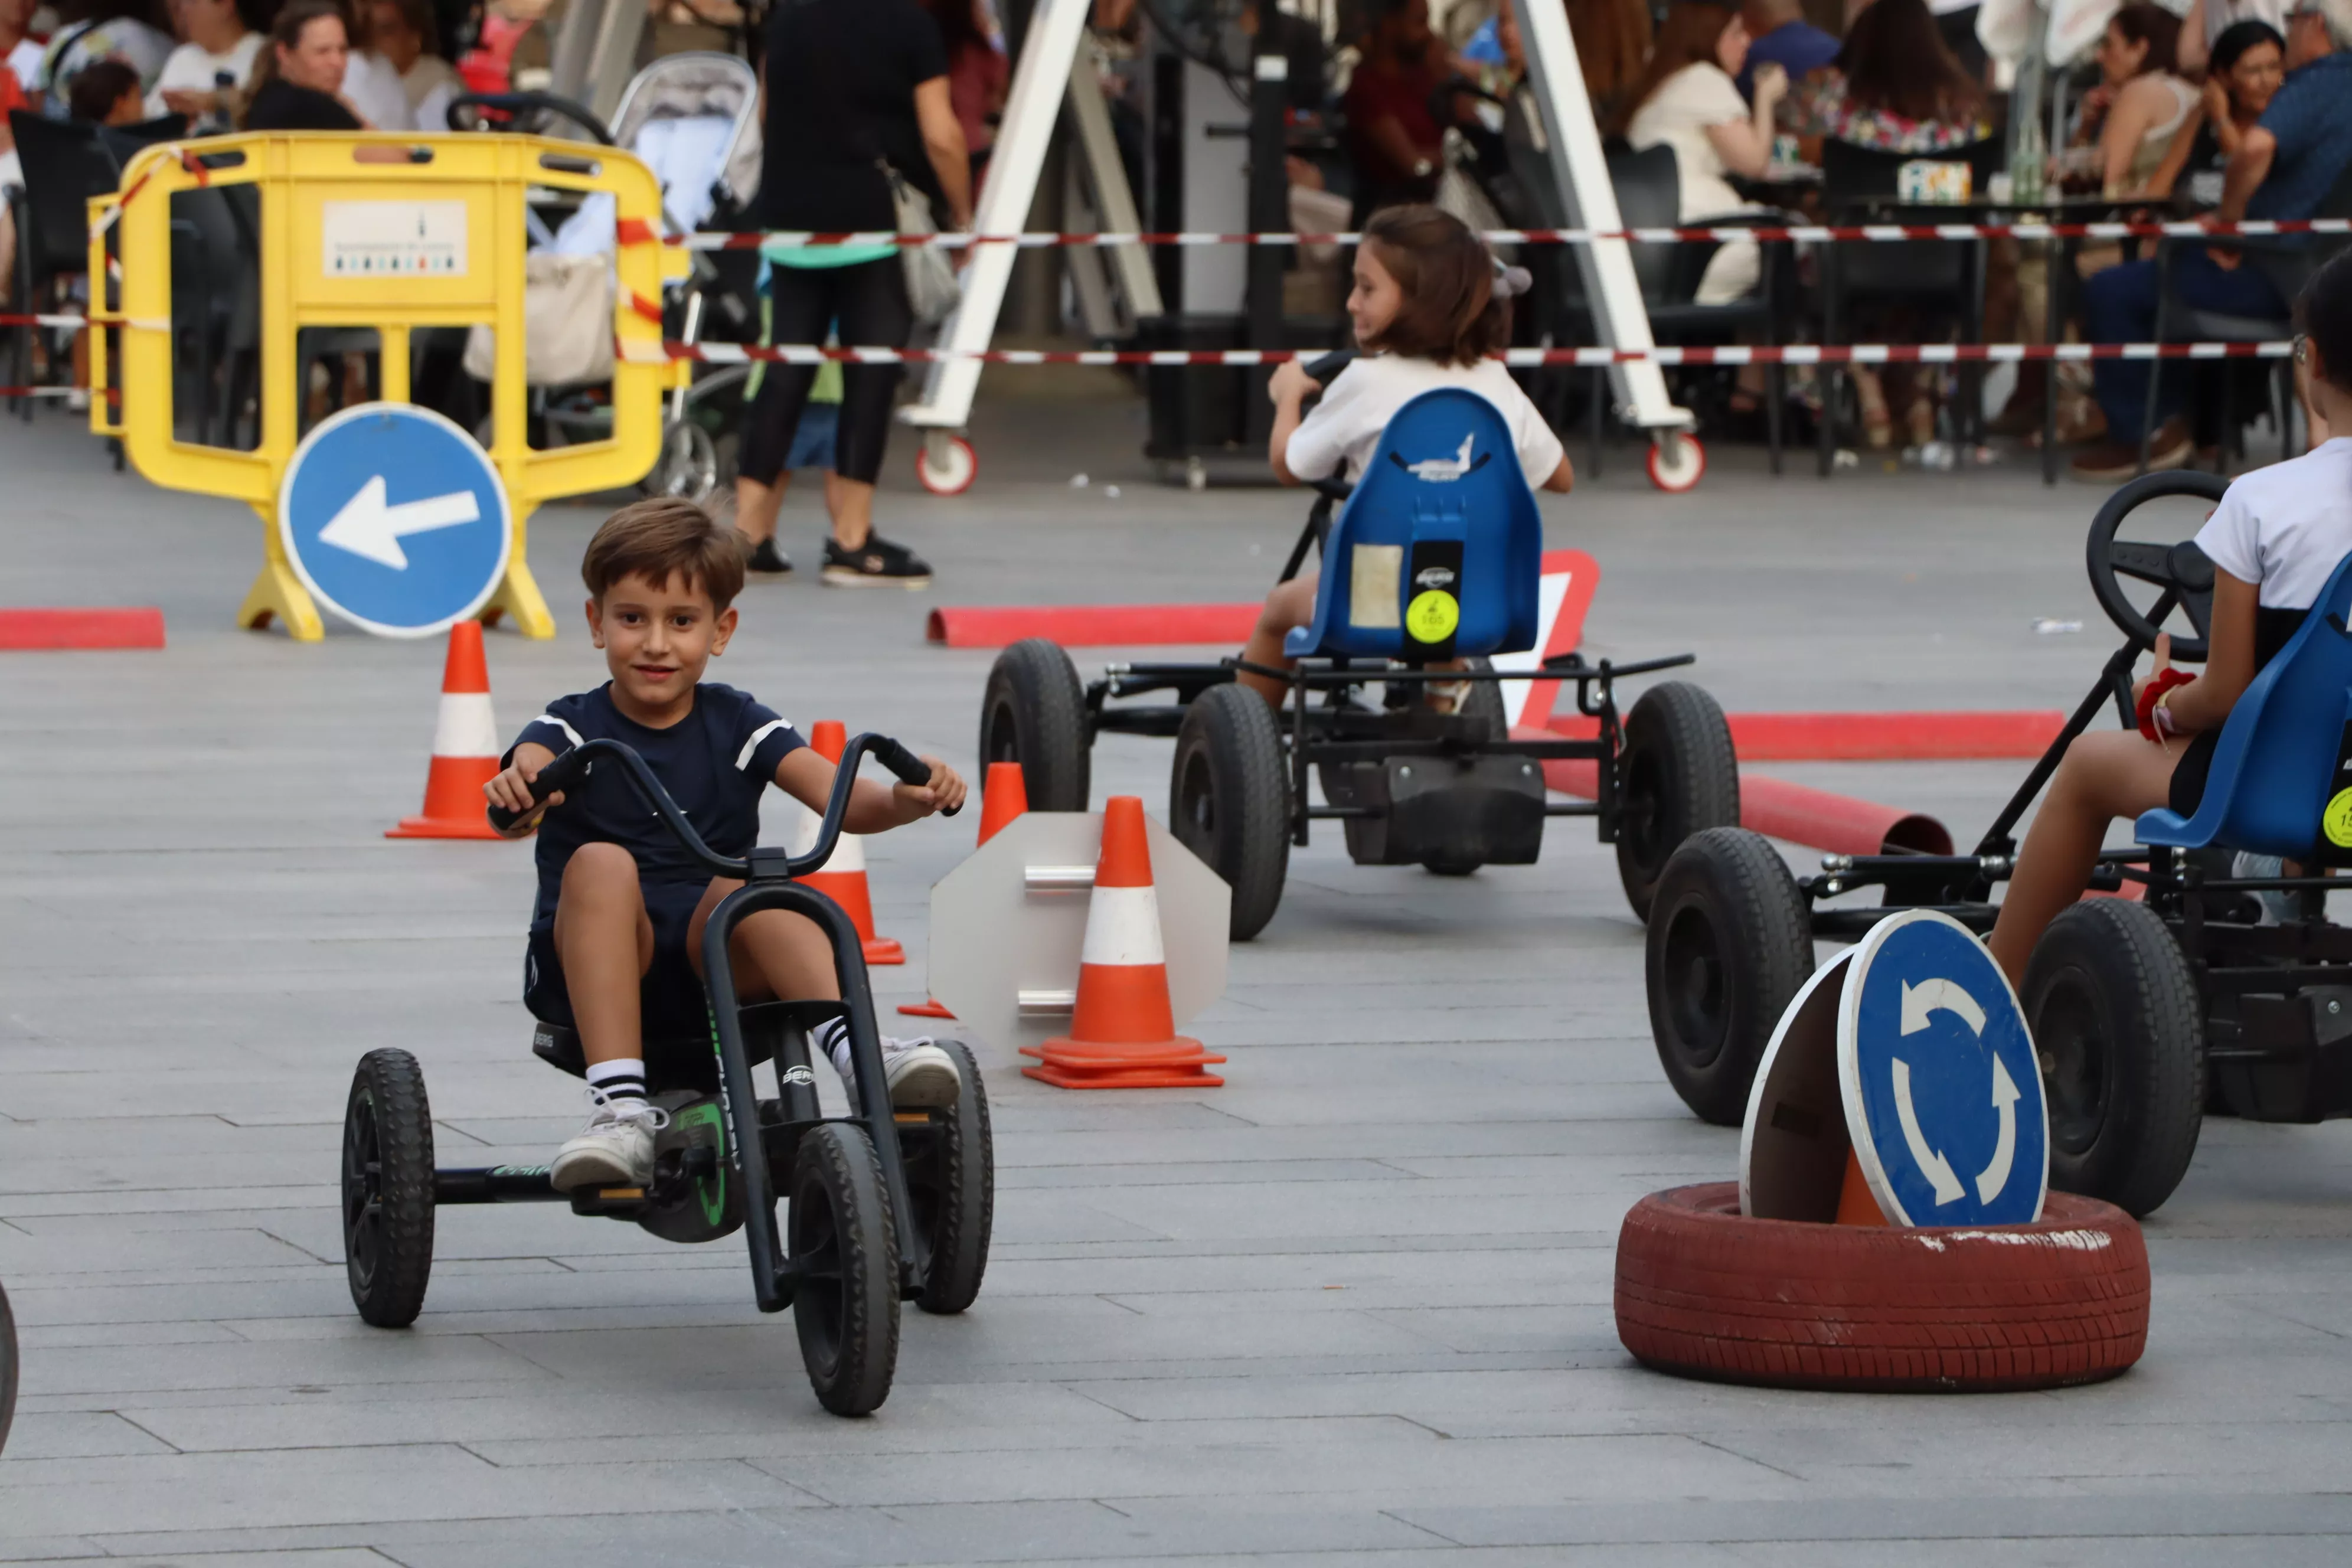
(2143, 22)
(1451, 312)
(1895, 59)
(1686, 37)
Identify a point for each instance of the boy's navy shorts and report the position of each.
(669, 996)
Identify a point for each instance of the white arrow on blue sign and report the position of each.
(394, 518)
(1943, 1091)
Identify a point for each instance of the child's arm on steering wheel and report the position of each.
(873, 807)
(1289, 389)
(2205, 703)
(511, 790)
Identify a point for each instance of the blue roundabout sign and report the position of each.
(396, 520)
(1942, 1089)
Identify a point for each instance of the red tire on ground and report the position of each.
(1705, 1292)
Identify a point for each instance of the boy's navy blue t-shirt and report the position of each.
(716, 762)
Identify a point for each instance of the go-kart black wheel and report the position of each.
(1228, 802)
(1482, 701)
(388, 1188)
(1730, 944)
(1678, 776)
(2178, 567)
(845, 1296)
(7, 1368)
(2115, 1017)
(1034, 712)
(951, 1193)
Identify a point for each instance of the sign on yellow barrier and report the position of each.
(392, 234)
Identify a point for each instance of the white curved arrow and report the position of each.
(369, 527)
(2005, 1096)
(1924, 998)
(1938, 1170)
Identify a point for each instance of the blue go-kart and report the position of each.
(1433, 559)
(881, 1205)
(2148, 1013)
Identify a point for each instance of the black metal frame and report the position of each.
(1337, 734)
(770, 878)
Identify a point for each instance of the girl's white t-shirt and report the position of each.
(1340, 434)
(1679, 114)
(2286, 527)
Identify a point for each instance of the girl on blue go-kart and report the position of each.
(2276, 539)
(1433, 308)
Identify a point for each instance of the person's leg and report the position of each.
(605, 944)
(1291, 604)
(2119, 307)
(872, 299)
(2106, 774)
(779, 953)
(798, 304)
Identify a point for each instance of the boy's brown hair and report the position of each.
(661, 537)
(1451, 312)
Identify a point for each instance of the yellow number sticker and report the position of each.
(2336, 821)
(1432, 617)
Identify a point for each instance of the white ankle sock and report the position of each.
(622, 1078)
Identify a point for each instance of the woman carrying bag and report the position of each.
(856, 105)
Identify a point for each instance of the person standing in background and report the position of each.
(408, 36)
(204, 77)
(977, 73)
(1392, 136)
(371, 82)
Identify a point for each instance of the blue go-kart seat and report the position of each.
(1437, 553)
(2273, 768)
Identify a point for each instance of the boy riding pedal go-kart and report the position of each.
(617, 935)
(670, 955)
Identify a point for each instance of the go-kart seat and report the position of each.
(1437, 552)
(2274, 767)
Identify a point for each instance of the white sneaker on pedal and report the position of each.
(921, 1076)
(615, 1150)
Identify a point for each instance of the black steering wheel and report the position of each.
(527, 111)
(2180, 570)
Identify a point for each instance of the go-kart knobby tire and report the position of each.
(1705, 1292)
(1482, 701)
(845, 1299)
(7, 1368)
(387, 1188)
(1730, 942)
(1229, 803)
(2115, 1017)
(1034, 712)
(1678, 776)
(952, 1189)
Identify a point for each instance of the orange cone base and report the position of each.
(925, 1009)
(441, 827)
(882, 950)
(1090, 1064)
(454, 808)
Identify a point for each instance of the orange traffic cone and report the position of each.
(1856, 1205)
(1004, 798)
(465, 747)
(1123, 1035)
(843, 878)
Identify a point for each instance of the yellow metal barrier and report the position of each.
(392, 233)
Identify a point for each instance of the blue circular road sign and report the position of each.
(1943, 1091)
(394, 518)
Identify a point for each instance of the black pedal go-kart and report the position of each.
(2147, 1012)
(881, 1205)
(1433, 557)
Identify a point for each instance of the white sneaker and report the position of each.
(921, 1076)
(615, 1150)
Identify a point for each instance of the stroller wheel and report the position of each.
(687, 467)
(946, 464)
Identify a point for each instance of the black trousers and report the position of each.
(867, 304)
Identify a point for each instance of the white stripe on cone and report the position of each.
(1123, 928)
(848, 854)
(466, 727)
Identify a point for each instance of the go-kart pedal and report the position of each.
(881, 1205)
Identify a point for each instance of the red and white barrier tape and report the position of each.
(1791, 353)
(788, 239)
(25, 320)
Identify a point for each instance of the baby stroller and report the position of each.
(693, 118)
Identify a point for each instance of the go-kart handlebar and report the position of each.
(515, 104)
(572, 766)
